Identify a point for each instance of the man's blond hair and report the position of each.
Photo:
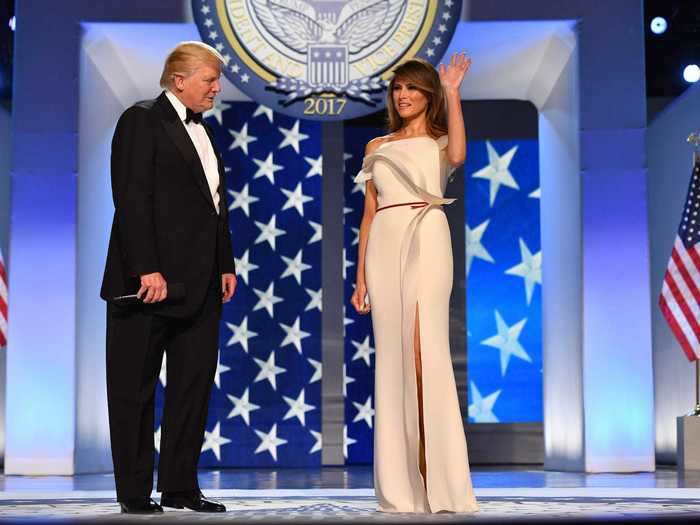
(185, 58)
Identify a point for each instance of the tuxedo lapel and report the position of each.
(177, 133)
(219, 163)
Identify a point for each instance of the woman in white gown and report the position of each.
(404, 272)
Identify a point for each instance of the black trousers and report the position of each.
(136, 341)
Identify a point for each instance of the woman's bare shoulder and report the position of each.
(373, 144)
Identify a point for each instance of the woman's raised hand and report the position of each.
(452, 75)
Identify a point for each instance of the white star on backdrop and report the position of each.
(295, 199)
(297, 407)
(481, 408)
(244, 266)
(242, 407)
(359, 186)
(267, 300)
(216, 111)
(363, 350)
(242, 199)
(240, 334)
(267, 168)
(365, 412)
(294, 334)
(346, 381)
(318, 445)
(530, 269)
(214, 441)
(346, 157)
(318, 370)
(268, 370)
(497, 172)
(220, 369)
(318, 232)
(163, 375)
(316, 299)
(535, 194)
(347, 441)
(506, 340)
(269, 442)
(241, 139)
(292, 137)
(347, 263)
(156, 439)
(294, 267)
(474, 246)
(316, 166)
(263, 110)
(346, 319)
(269, 232)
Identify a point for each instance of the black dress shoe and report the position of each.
(140, 506)
(190, 500)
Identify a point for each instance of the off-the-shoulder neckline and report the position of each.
(411, 138)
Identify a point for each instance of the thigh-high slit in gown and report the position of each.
(408, 270)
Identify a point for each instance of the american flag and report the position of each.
(3, 302)
(680, 293)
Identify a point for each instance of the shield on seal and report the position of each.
(327, 64)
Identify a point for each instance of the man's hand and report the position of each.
(228, 286)
(153, 289)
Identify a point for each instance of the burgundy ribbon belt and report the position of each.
(413, 205)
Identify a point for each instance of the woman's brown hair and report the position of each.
(421, 74)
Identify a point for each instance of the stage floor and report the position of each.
(332, 494)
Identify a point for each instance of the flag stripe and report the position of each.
(3, 287)
(685, 284)
(680, 319)
(689, 262)
(679, 300)
(693, 252)
(676, 329)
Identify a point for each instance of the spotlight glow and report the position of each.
(659, 25)
(691, 73)
(12, 23)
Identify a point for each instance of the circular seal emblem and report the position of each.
(323, 59)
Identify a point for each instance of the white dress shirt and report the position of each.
(202, 144)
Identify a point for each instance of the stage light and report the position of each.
(12, 23)
(659, 25)
(691, 73)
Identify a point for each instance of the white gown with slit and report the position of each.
(408, 263)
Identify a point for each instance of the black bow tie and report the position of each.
(193, 117)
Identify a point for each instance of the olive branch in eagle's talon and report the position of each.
(361, 89)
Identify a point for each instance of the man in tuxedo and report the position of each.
(171, 245)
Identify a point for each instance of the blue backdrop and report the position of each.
(504, 308)
(265, 405)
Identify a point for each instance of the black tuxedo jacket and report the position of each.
(164, 220)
